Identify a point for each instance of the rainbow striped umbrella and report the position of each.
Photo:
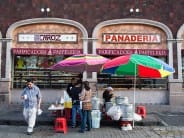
(80, 63)
(138, 65)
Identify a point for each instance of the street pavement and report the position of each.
(161, 121)
(9, 131)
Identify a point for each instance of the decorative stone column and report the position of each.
(176, 96)
(5, 90)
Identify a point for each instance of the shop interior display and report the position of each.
(37, 69)
(42, 78)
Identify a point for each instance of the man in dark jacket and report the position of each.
(75, 93)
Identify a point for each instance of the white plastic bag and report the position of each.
(137, 117)
(39, 111)
(66, 97)
(115, 112)
(117, 115)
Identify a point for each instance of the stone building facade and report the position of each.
(89, 22)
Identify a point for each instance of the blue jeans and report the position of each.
(86, 114)
(75, 109)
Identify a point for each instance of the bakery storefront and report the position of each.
(38, 44)
(121, 37)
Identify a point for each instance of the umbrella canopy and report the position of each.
(138, 65)
(80, 63)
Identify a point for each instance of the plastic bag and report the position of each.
(115, 112)
(137, 117)
(66, 97)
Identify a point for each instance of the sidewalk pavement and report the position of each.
(161, 121)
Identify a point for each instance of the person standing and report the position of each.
(75, 92)
(32, 101)
(86, 112)
(108, 96)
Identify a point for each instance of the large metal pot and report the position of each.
(127, 112)
(95, 103)
(121, 100)
(108, 105)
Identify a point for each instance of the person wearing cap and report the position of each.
(32, 101)
(108, 94)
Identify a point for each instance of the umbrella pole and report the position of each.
(134, 96)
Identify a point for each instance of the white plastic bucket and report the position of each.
(95, 122)
(96, 114)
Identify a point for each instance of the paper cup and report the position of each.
(39, 112)
(25, 97)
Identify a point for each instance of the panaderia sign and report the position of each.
(130, 38)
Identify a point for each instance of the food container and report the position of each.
(95, 103)
(121, 100)
(127, 112)
(108, 105)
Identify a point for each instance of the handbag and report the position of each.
(86, 105)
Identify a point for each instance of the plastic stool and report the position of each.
(141, 110)
(61, 125)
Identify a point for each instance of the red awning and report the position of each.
(34, 51)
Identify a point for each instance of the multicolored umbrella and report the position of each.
(81, 63)
(138, 65)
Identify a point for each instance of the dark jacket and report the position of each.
(107, 96)
(75, 95)
(69, 88)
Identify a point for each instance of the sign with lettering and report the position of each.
(130, 38)
(119, 52)
(28, 51)
(50, 37)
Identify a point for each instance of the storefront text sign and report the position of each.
(131, 38)
(28, 51)
(69, 38)
(119, 52)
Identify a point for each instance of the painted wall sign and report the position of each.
(28, 51)
(119, 52)
(49, 37)
(130, 38)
